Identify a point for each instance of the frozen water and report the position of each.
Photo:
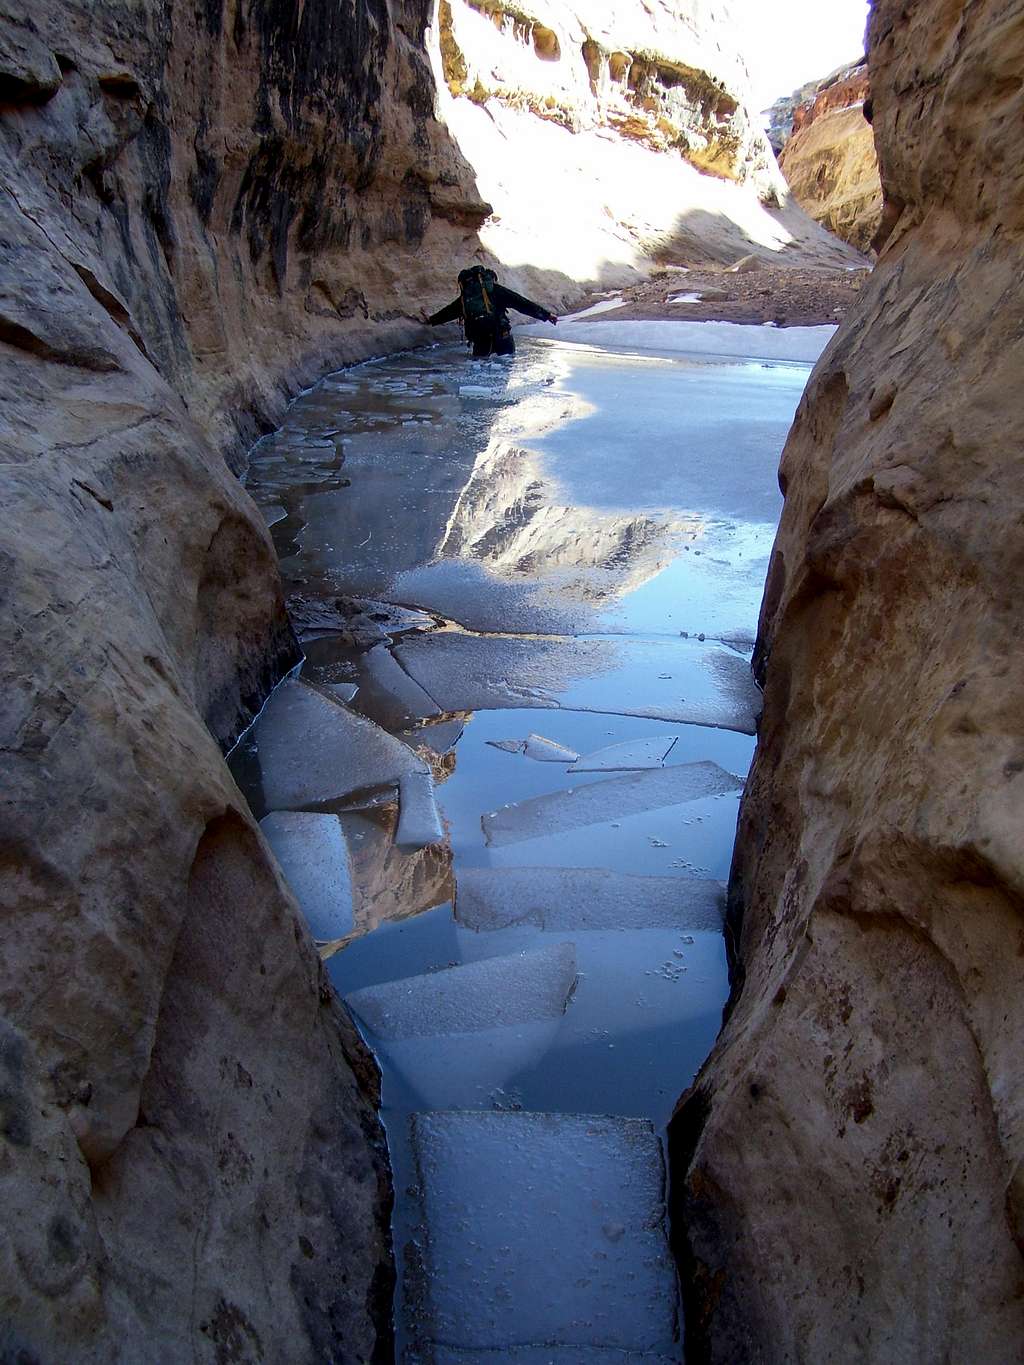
(440, 736)
(419, 821)
(542, 1230)
(342, 690)
(313, 855)
(600, 802)
(689, 681)
(633, 754)
(584, 898)
(731, 339)
(313, 750)
(273, 514)
(494, 994)
(388, 694)
(536, 747)
(547, 750)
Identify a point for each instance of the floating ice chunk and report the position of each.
(475, 391)
(583, 898)
(314, 859)
(497, 1188)
(439, 737)
(633, 754)
(419, 821)
(495, 993)
(388, 693)
(344, 691)
(313, 750)
(548, 751)
(508, 746)
(536, 747)
(602, 801)
(273, 514)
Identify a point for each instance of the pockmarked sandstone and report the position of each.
(848, 1169)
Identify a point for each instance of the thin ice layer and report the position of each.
(542, 1229)
(583, 898)
(600, 802)
(313, 855)
(629, 756)
(388, 694)
(688, 681)
(480, 995)
(313, 750)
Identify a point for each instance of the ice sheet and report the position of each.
(599, 802)
(314, 859)
(313, 750)
(387, 694)
(500, 992)
(584, 898)
(697, 338)
(688, 681)
(542, 1230)
(633, 754)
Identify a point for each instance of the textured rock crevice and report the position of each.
(847, 1166)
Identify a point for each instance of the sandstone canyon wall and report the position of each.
(607, 135)
(203, 207)
(829, 159)
(849, 1165)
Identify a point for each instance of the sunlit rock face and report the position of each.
(848, 1167)
(607, 135)
(829, 158)
(203, 206)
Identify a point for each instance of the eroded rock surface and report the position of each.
(848, 1167)
(200, 208)
(830, 162)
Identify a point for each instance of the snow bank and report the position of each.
(733, 339)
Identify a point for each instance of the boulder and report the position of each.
(847, 1167)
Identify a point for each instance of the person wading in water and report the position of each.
(481, 306)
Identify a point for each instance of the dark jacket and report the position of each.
(503, 298)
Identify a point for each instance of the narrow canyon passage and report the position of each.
(503, 787)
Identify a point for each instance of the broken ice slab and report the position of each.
(387, 694)
(630, 756)
(313, 750)
(496, 993)
(583, 898)
(536, 747)
(599, 802)
(273, 514)
(313, 855)
(419, 820)
(541, 1228)
(683, 680)
(344, 691)
(439, 737)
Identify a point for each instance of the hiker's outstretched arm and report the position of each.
(447, 314)
(507, 298)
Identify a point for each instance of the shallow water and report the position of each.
(588, 534)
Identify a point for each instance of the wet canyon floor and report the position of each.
(504, 789)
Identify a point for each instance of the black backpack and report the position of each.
(477, 286)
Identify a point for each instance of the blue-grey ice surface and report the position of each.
(542, 1230)
(582, 534)
(313, 855)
